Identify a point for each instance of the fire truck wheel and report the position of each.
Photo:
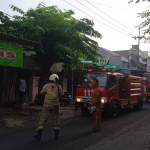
(85, 111)
(115, 109)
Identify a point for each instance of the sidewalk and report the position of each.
(29, 116)
(28, 110)
(65, 112)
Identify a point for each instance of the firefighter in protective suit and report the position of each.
(95, 101)
(53, 91)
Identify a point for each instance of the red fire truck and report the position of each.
(118, 91)
(147, 75)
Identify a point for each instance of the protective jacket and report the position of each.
(96, 95)
(53, 92)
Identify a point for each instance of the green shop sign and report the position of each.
(11, 55)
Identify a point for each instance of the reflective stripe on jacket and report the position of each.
(53, 92)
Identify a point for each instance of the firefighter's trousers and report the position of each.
(54, 114)
(97, 119)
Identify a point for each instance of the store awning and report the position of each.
(108, 66)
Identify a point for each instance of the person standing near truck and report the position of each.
(22, 89)
(53, 91)
(95, 101)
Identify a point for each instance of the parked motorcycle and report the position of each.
(65, 99)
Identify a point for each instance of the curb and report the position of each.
(65, 112)
(61, 108)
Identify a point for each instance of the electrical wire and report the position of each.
(104, 18)
(106, 5)
(110, 17)
(97, 19)
(86, 14)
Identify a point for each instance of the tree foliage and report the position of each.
(58, 33)
(145, 25)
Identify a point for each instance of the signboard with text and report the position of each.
(11, 55)
(103, 61)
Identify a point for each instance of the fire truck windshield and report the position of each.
(102, 78)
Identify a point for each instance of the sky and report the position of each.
(116, 20)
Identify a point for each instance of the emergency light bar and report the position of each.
(90, 70)
(104, 69)
(101, 70)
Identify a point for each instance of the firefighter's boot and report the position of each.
(39, 134)
(56, 134)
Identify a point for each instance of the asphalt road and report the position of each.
(129, 131)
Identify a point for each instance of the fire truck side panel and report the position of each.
(147, 75)
(123, 102)
(135, 89)
(143, 81)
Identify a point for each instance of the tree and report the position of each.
(145, 25)
(57, 32)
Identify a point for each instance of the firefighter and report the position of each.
(53, 91)
(95, 101)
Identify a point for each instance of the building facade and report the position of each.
(138, 61)
(115, 59)
(11, 74)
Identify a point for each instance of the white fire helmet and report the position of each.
(54, 77)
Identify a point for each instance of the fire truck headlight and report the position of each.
(103, 100)
(78, 99)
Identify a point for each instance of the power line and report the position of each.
(86, 14)
(103, 18)
(97, 19)
(110, 17)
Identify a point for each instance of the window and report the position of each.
(112, 81)
(102, 78)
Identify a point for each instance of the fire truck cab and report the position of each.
(118, 91)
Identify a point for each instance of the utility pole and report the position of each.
(139, 38)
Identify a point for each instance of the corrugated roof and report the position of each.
(123, 53)
(27, 44)
(110, 52)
